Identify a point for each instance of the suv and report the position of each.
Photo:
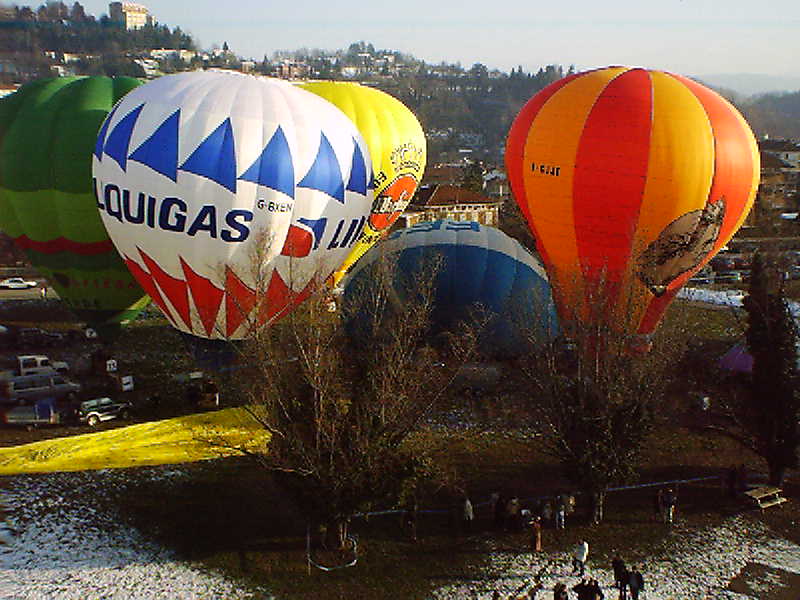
(92, 412)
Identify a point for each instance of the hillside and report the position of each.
(776, 115)
(460, 108)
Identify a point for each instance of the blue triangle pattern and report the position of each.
(371, 184)
(358, 172)
(317, 226)
(101, 135)
(325, 175)
(160, 150)
(274, 168)
(120, 138)
(215, 157)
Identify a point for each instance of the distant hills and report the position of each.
(463, 109)
(752, 84)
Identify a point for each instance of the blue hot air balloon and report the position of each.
(479, 271)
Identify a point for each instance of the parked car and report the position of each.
(704, 276)
(728, 277)
(25, 388)
(43, 412)
(17, 283)
(92, 412)
(33, 364)
(700, 279)
(35, 337)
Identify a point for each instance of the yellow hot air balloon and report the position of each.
(397, 146)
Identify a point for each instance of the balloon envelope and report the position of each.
(230, 197)
(631, 180)
(47, 134)
(476, 268)
(397, 145)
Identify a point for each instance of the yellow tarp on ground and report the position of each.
(180, 440)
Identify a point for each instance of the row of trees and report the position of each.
(55, 28)
(344, 406)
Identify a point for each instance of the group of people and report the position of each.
(629, 583)
(626, 580)
(510, 515)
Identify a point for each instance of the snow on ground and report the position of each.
(734, 298)
(719, 297)
(54, 546)
(693, 566)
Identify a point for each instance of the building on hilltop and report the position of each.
(433, 202)
(786, 150)
(495, 184)
(290, 69)
(777, 190)
(130, 14)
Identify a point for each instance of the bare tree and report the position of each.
(596, 400)
(340, 403)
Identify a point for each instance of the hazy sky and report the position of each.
(692, 37)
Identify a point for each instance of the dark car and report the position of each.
(93, 412)
(728, 277)
(35, 337)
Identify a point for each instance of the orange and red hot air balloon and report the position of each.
(631, 180)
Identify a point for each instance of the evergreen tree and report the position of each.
(769, 412)
(472, 178)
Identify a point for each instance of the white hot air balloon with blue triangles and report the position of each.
(193, 171)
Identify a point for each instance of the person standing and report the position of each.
(547, 512)
(561, 512)
(669, 500)
(621, 576)
(579, 557)
(635, 583)
(494, 498)
(512, 514)
(536, 535)
(499, 511)
(534, 591)
(410, 521)
(468, 515)
(594, 591)
(582, 589)
(658, 504)
(560, 591)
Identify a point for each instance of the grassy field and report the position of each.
(228, 514)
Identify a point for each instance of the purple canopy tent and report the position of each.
(737, 359)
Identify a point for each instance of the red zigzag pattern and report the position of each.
(239, 299)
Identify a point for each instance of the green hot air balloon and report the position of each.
(48, 132)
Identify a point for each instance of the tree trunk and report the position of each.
(777, 473)
(598, 507)
(336, 537)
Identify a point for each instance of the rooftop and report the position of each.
(445, 195)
